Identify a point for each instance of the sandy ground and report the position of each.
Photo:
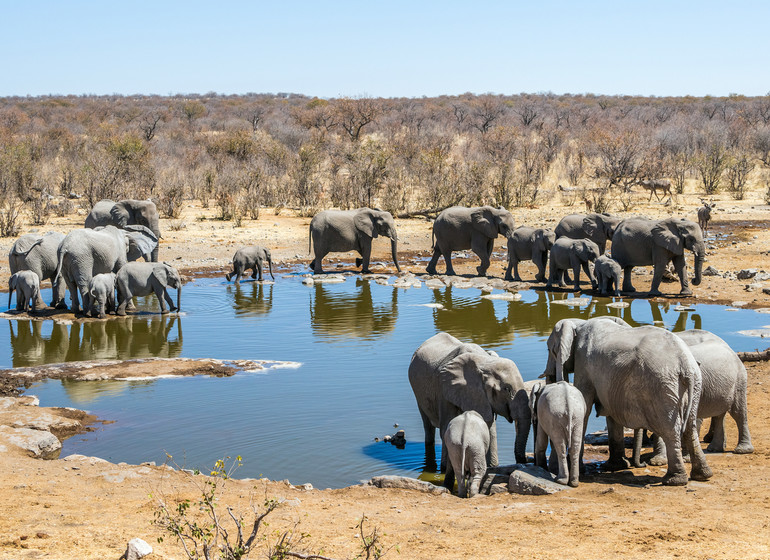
(86, 508)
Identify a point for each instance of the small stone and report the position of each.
(746, 273)
(137, 548)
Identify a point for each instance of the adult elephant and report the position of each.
(84, 253)
(449, 377)
(38, 254)
(636, 377)
(644, 242)
(599, 228)
(459, 228)
(350, 230)
(124, 213)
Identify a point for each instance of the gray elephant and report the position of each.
(84, 253)
(26, 284)
(101, 292)
(38, 253)
(467, 443)
(145, 278)
(643, 242)
(607, 272)
(599, 228)
(527, 244)
(250, 258)
(127, 212)
(724, 391)
(350, 230)
(459, 228)
(449, 377)
(572, 254)
(643, 377)
(558, 410)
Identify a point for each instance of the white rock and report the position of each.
(505, 296)
(38, 443)
(618, 304)
(573, 301)
(137, 548)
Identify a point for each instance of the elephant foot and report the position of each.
(675, 479)
(654, 293)
(744, 448)
(481, 271)
(59, 305)
(359, 262)
(715, 448)
(708, 437)
(657, 461)
(563, 481)
(638, 464)
(431, 271)
(574, 483)
(164, 312)
(613, 465)
(685, 292)
(702, 474)
(537, 279)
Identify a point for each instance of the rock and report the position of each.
(306, 487)
(746, 273)
(740, 303)
(505, 296)
(38, 443)
(137, 548)
(710, 271)
(406, 483)
(580, 301)
(434, 284)
(618, 304)
(753, 287)
(533, 481)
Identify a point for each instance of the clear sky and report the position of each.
(390, 48)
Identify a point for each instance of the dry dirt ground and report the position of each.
(85, 508)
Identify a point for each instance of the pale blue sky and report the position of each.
(385, 48)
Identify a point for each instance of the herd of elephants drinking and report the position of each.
(643, 377)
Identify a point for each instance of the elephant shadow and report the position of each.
(141, 336)
(342, 314)
(411, 457)
(251, 298)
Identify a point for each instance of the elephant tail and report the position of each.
(686, 410)
(59, 262)
(432, 239)
(309, 239)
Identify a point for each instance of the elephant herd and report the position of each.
(644, 378)
(96, 261)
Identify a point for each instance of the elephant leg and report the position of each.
(738, 412)
(124, 298)
(680, 266)
(541, 444)
(480, 246)
(575, 264)
(58, 294)
(659, 267)
(73, 290)
(574, 456)
(659, 453)
(717, 431)
(710, 433)
(512, 265)
(258, 271)
(169, 300)
(316, 264)
(561, 454)
(617, 448)
(636, 459)
(590, 276)
(366, 253)
(676, 475)
(431, 268)
(492, 460)
(430, 443)
(449, 478)
(700, 468)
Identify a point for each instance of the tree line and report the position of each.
(241, 153)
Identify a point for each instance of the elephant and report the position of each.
(607, 272)
(449, 377)
(599, 228)
(558, 410)
(643, 242)
(724, 391)
(250, 257)
(350, 230)
(127, 212)
(643, 377)
(38, 254)
(26, 284)
(459, 228)
(467, 442)
(84, 253)
(101, 292)
(526, 244)
(567, 254)
(145, 278)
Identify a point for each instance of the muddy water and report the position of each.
(315, 423)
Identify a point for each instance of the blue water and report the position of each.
(317, 422)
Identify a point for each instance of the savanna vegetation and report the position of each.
(242, 153)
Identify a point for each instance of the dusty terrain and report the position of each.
(85, 508)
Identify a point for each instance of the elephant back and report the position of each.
(100, 214)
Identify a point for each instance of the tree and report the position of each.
(485, 112)
(355, 114)
(711, 156)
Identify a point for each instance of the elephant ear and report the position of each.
(364, 223)
(26, 243)
(480, 219)
(665, 234)
(462, 382)
(590, 226)
(120, 214)
(533, 396)
(141, 241)
(160, 273)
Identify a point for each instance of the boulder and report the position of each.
(710, 271)
(533, 481)
(406, 483)
(38, 443)
(137, 548)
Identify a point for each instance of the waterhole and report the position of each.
(317, 422)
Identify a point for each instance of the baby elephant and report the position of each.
(250, 257)
(568, 254)
(101, 292)
(607, 272)
(144, 278)
(558, 410)
(27, 287)
(529, 244)
(467, 441)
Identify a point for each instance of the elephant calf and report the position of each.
(144, 278)
(250, 258)
(467, 442)
(529, 244)
(558, 410)
(569, 253)
(607, 272)
(26, 284)
(101, 292)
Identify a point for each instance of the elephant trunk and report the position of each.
(10, 295)
(522, 434)
(178, 296)
(700, 254)
(155, 228)
(394, 250)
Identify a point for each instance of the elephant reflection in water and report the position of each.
(657, 309)
(137, 337)
(343, 314)
(251, 298)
